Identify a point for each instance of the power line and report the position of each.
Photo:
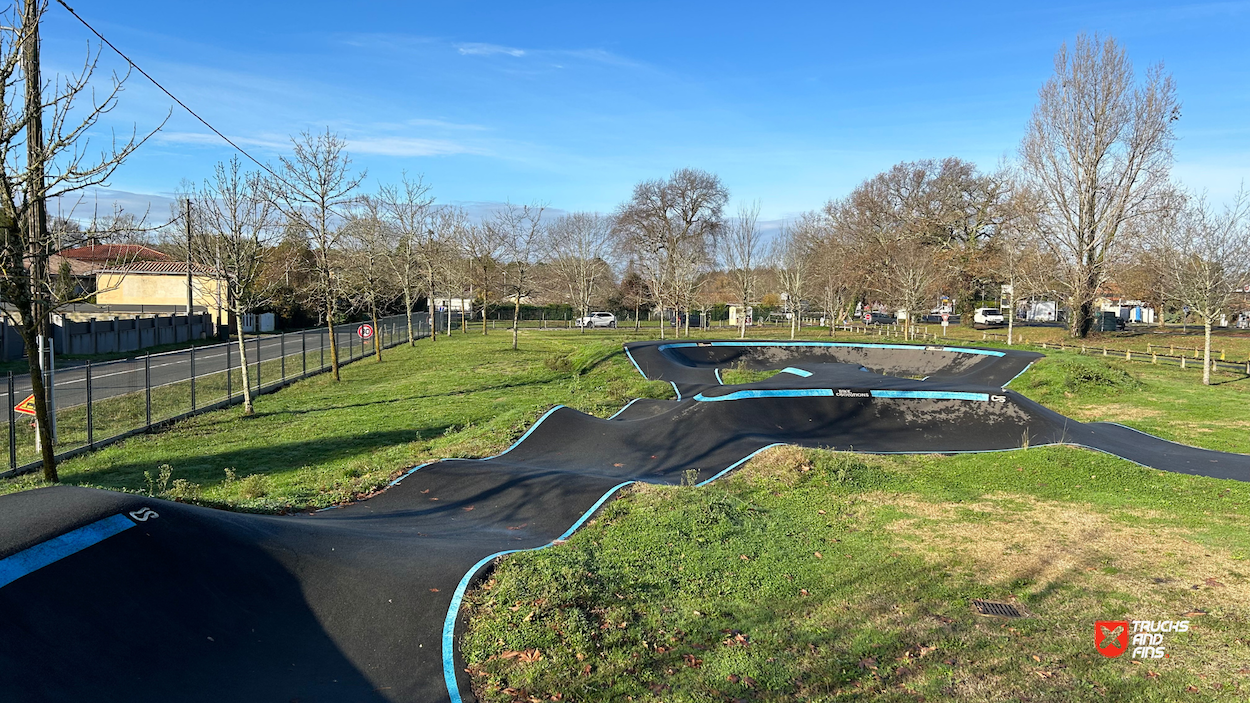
(165, 90)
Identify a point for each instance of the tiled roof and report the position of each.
(115, 253)
(179, 267)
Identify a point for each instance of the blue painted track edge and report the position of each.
(50, 551)
(453, 610)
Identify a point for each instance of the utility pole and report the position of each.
(37, 221)
(190, 295)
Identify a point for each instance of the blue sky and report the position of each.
(572, 103)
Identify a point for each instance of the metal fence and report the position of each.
(100, 403)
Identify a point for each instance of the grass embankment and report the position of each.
(811, 575)
(320, 443)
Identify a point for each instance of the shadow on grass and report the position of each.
(272, 459)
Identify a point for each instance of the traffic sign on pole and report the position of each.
(365, 331)
(26, 406)
(868, 317)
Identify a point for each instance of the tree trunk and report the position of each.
(377, 333)
(637, 320)
(43, 420)
(1206, 353)
(412, 338)
(516, 319)
(1011, 322)
(248, 408)
(334, 342)
(485, 300)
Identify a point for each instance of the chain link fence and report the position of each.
(97, 404)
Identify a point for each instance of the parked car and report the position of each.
(878, 318)
(988, 317)
(597, 319)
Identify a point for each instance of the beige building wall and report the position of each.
(161, 289)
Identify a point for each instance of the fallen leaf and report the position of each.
(744, 557)
(748, 682)
(518, 527)
(692, 661)
(1036, 658)
(433, 590)
(732, 678)
(803, 591)
(868, 663)
(1191, 689)
(1212, 583)
(467, 509)
(819, 555)
(530, 656)
(1195, 613)
(820, 512)
(425, 491)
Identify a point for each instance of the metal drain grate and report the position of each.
(995, 609)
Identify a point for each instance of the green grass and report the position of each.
(833, 577)
(650, 598)
(320, 443)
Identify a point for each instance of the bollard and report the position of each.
(1154, 358)
(1128, 355)
(1182, 362)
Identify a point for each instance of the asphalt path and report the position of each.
(117, 597)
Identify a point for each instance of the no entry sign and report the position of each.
(365, 331)
(867, 317)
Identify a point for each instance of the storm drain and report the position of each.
(996, 609)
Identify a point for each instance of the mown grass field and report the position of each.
(816, 576)
(807, 575)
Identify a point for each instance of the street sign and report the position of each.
(868, 317)
(26, 406)
(945, 317)
(364, 331)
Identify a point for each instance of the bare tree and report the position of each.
(315, 183)
(578, 248)
(414, 244)
(1099, 148)
(523, 236)
(741, 251)
(482, 246)
(45, 154)
(234, 230)
(791, 256)
(667, 226)
(1212, 262)
(364, 260)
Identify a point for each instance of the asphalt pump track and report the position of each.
(108, 596)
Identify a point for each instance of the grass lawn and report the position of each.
(812, 575)
(807, 575)
(320, 443)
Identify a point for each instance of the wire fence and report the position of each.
(97, 404)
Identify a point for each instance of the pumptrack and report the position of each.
(115, 597)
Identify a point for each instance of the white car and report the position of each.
(597, 319)
(988, 316)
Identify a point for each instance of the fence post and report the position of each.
(12, 427)
(229, 381)
(303, 352)
(90, 417)
(192, 378)
(147, 382)
(282, 349)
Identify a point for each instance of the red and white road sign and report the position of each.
(364, 331)
(867, 317)
(26, 406)
(945, 317)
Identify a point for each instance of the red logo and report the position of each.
(1111, 637)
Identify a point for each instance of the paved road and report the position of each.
(109, 379)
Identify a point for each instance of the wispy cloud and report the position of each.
(478, 49)
(272, 143)
(409, 146)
